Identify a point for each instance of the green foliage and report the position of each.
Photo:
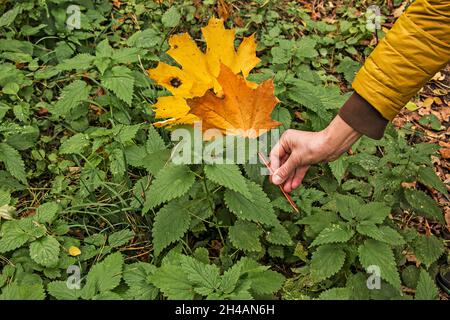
(81, 165)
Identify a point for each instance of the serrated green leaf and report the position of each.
(338, 168)
(71, 96)
(373, 212)
(136, 276)
(46, 212)
(204, 277)
(13, 236)
(45, 251)
(347, 206)
(173, 282)
(429, 178)
(171, 17)
(23, 291)
(75, 144)
(154, 141)
(13, 162)
(171, 182)
(426, 288)
(245, 235)
(373, 252)
(61, 291)
(120, 238)
(423, 204)
(119, 80)
(82, 61)
(383, 233)
(229, 176)
(335, 233)
(336, 294)
(259, 209)
(103, 276)
(428, 249)
(326, 261)
(280, 236)
(171, 223)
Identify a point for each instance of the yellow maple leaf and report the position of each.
(241, 111)
(175, 110)
(199, 71)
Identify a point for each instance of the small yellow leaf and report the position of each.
(74, 251)
(428, 102)
(411, 106)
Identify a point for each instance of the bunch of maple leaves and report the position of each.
(211, 87)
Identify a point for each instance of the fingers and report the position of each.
(298, 178)
(285, 170)
(276, 156)
(287, 185)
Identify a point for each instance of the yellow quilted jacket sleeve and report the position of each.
(417, 46)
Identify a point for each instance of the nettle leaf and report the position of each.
(373, 212)
(13, 236)
(338, 168)
(245, 235)
(347, 206)
(82, 61)
(61, 291)
(171, 182)
(376, 253)
(71, 96)
(336, 294)
(125, 134)
(154, 141)
(120, 238)
(263, 280)
(428, 249)
(426, 288)
(136, 276)
(45, 251)
(280, 236)
(173, 282)
(382, 233)
(423, 204)
(259, 209)
(13, 162)
(333, 234)
(428, 177)
(119, 80)
(229, 176)
(75, 144)
(23, 291)
(171, 223)
(204, 277)
(103, 276)
(319, 221)
(47, 212)
(326, 261)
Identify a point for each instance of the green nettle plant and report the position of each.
(91, 206)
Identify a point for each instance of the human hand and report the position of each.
(296, 150)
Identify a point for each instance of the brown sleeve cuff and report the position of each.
(363, 117)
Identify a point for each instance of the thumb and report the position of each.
(283, 172)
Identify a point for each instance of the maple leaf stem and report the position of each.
(286, 195)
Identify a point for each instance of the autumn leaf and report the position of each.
(175, 110)
(199, 70)
(241, 110)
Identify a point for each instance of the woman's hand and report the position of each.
(296, 150)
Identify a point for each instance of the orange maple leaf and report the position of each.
(241, 110)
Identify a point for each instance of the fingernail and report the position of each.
(276, 179)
